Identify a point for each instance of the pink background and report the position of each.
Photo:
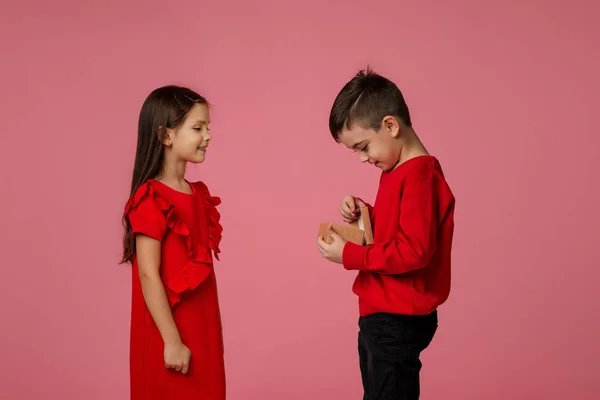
(507, 97)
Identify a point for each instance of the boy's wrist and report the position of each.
(353, 256)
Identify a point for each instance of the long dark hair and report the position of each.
(165, 107)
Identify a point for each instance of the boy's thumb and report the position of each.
(332, 231)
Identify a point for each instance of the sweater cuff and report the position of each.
(353, 256)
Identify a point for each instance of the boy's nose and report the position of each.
(364, 158)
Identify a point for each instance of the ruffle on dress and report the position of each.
(200, 257)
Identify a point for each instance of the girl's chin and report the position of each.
(197, 159)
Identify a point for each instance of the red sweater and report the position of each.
(407, 269)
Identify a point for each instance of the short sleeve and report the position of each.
(147, 218)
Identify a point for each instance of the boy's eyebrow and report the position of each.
(357, 144)
(201, 122)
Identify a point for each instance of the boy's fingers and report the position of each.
(334, 235)
(349, 213)
(349, 203)
(349, 219)
(321, 243)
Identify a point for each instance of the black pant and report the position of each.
(389, 347)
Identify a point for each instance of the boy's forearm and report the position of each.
(393, 258)
(158, 305)
(412, 246)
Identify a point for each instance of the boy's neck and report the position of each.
(410, 147)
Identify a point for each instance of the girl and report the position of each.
(172, 231)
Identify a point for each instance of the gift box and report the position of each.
(359, 231)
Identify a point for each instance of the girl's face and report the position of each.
(189, 141)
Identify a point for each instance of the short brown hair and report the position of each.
(366, 100)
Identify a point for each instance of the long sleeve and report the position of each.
(414, 244)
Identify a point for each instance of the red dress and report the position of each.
(188, 227)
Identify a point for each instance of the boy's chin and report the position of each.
(384, 167)
(380, 165)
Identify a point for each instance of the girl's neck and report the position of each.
(173, 173)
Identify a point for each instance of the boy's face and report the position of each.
(380, 148)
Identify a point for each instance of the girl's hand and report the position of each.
(349, 208)
(177, 357)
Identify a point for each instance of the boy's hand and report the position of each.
(177, 357)
(349, 208)
(332, 251)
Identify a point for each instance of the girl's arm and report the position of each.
(148, 256)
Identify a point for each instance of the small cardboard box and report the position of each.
(359, 231)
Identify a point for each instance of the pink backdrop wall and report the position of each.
(505, 96)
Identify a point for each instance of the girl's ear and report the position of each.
(165, 136)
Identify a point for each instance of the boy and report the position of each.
(405, 275)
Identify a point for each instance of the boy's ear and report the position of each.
(391, 126)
